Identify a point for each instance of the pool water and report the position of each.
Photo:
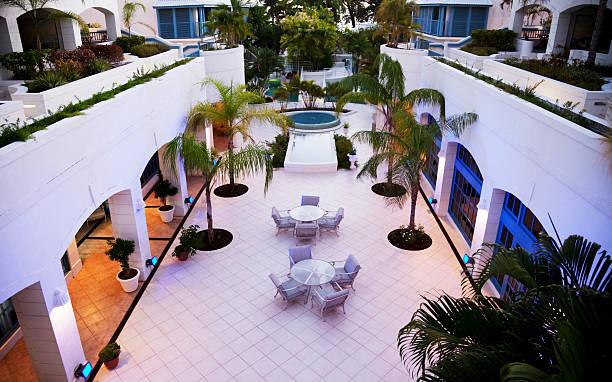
(314, 120)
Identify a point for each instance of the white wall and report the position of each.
(411, 62)
(148, 17)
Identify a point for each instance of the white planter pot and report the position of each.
(166, 216)
(352, 159)
(129, 285)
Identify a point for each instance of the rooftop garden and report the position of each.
(487, 42)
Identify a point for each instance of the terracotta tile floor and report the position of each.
(97, 299)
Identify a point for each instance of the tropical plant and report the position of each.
(109, 352)
(554, 328)
(127, 16)
(283, 93)
(34, 7)
(25, 65)
(395, 21)
(198, 158)
(266, 34)
(344, 146)
(120, 251)
(408, 145)
(148, 50)
(163, 189)
(45, 81)
(306, 30)
(278, 149)
(308, 89)
(126, 43)
(229, 23)
(232, 111)
(333, 92)
(386, 92)
(188, 235)
(259, 64)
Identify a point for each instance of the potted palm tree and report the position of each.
(110, 355)
(185, 248)
(120, 251)
(234, 115)
(213, 166)
(408, 146)
(162, 190)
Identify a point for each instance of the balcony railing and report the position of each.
(534, 33)
(94, 37)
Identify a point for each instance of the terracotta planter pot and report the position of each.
(112, 363)
(183, 256)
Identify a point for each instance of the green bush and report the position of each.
(576, 74)
(109, 352)
(344, 146)
(278, 149)
(479, 50)
(110, 53)
(99, 65)
(486, 42)
(147, 50)
(26, 65)
(45, 81)
(127, 43)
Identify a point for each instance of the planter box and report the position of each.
(36, 104)
(591, 101)
(225, 65)
(11, 111)
(467, 59)
(411, 62)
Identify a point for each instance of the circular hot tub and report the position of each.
(314, 121)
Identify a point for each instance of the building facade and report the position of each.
(452, 18)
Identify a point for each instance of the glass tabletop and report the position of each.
(312, 272)
(306, 213)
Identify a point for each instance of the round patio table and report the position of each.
(306, 213)
(312, 272)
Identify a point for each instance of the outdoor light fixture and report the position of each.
(432, 200)
(60, 297)
(83, 370)
(466, 258)
(189, 199)
(152, 261)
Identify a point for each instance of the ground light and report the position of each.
(432, 200)
(189, 199)
(83, 370)
(152, 261)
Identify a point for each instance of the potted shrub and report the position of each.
(120, 252)
(162, 190)
(188, 235)
(110, 355)
(352, 156)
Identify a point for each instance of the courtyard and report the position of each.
(214, 317)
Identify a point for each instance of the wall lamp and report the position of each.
(189, 199)
(432, 200)
(151, 262)
(83, 370)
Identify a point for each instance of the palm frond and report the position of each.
(249, 160)
(457, 123)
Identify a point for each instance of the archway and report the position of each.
(102, 25)
(36, 26)
(431, 165)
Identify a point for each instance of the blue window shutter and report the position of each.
(460, 21)
(183, 26)
(166, 23)
(479, 18)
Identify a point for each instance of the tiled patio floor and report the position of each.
(214, 318)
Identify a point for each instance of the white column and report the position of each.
(10, 39)
(70, 34)
(49, 327)
(487, 219)
(516, 21)
(444, 181)
(113, 26)
(559, 29)
(75, 260)
(178, 180)
(130, 223)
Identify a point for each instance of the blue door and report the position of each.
(465, 193)
(518, 227)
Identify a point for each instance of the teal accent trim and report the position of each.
(174, 22)
(460, 43)
(469, 22)
(434, 53)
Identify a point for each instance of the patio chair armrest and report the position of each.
(333, 262)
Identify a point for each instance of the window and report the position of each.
(464, 199)
(513, 204)
(464, 156)
(532, 223)
(506, 237)
(8, 321)
(431, 164)
(436, 13)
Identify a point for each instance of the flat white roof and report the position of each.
(455, 2)
(192, 3)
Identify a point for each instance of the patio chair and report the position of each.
(328, 297)
(346, 274)
(297, 254)
(282, 222)
(308, 200)
(288, 289)
(306, 231)
(331, 223)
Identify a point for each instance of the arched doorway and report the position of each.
(431, 163)
(36, 25)
(465, 192)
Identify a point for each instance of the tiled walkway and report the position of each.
(214, 318)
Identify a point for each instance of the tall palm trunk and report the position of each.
(209, 219)
(230, 149)
(414, 193)
(599, 20)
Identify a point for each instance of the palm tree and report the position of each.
(33, 8)
(394, 18)
(408, 145)
(386, 92)
(234, 114)
(597, 29)
(259, 64)
(229, 23)
(197, 158)
(555, 329)
(129, 8)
